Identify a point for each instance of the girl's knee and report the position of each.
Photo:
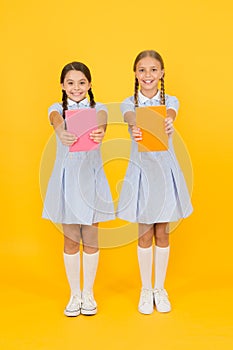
(90, 238)
(90, 250)
(146, 240)
(162, 235)
(72, 233)
(70, 247)
(146, 233)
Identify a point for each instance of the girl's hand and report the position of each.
(97, 135)
(67, 138)
(169, 126)
(136, 133)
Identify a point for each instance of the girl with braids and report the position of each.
(78, 195)
(154, 192)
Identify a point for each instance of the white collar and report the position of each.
(84, 102)
(143, 99)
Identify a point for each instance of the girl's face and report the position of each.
(149, 72)
(76, 85)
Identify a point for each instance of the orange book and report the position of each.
(150, 120)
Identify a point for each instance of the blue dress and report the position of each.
(154, 188)
(78, 191)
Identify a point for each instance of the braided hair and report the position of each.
(136, 86)
(85, 70)
(155, 55)
(91, 96)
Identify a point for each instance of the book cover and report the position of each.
(81, 122)
(150, 120)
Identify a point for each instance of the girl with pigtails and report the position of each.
(154, 191)
(78, 195)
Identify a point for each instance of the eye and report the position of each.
(82, 83)
(154, 69)
(141, 70)
(70, 83)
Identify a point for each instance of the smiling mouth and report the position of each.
(77, 94)
(148, 81)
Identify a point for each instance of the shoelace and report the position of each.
(146, 296)
(162, 294)
(88, 298)
(74, 302)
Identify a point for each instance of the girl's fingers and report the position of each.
(136, 133)
(67, 138)
(169, 126)
(71, 137)
(97, 135)
(96, 132)
(68, 143)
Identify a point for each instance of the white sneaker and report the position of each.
(89, 306)
(161, 300)
(146, 305)
(74, 306)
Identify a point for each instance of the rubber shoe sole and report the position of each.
(71, 313)
(87, 312)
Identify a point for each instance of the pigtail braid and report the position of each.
(136, 85)
(64, 103)
(162, 92)
(92, 101)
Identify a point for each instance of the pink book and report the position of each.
(81, 122)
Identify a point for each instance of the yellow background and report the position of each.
(38, 39)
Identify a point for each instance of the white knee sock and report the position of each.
(72, 267)
(145, 266)
(161, 262)
(90, 263)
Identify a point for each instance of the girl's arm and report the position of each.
(97, 135)
(171, 116)
(130, 118)
(57, 121)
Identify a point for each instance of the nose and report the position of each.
(76, 86)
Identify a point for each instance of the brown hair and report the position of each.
(155, 55)
(85, 70)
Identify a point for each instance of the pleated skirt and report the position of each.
(154, 188)
(78, 191)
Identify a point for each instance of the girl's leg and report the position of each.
(161, 253)
(145, 252)
(90, 264)
(72, 238)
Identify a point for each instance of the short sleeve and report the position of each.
(100, 107)
(56, 107)
(127, 106)
(172, 103)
